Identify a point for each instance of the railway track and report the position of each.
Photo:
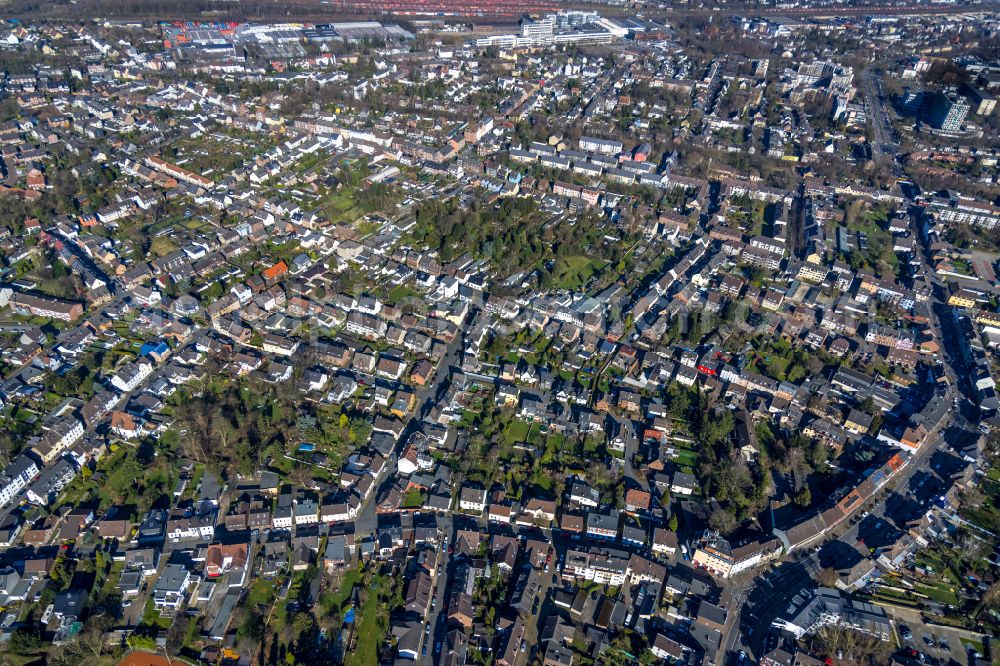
(345, 10)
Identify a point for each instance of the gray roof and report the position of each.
(603, 521)
(173, 579)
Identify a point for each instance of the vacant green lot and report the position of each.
(338, 206)
(575, 271)
(400, 293)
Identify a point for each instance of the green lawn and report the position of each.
(58, 287)
(986, 516)
(575, 271)
(769, 365)
(161, 246)
(365, 227)
(750, 217)
(686, 458)
(152, 622)
(262, 592)
(939, 593)
(413, 499)
(943, 568)
(334, 602)
(110, 585)
(367, 630)
(777, 360)
(518, 431)
(758, 215)
(542, 480)
(555, 441)
(122, 474)
(400, 293)
(339, 206)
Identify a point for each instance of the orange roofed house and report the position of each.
(229, 558)
(123, 424)
(637, 501)
(275, 272)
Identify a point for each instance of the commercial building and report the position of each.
(811, 610)
(947, 111)
(982, 103)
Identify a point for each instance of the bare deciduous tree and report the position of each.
(845, 645)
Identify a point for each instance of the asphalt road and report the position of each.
(366, 521)
(439, 610)
(886, 146)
